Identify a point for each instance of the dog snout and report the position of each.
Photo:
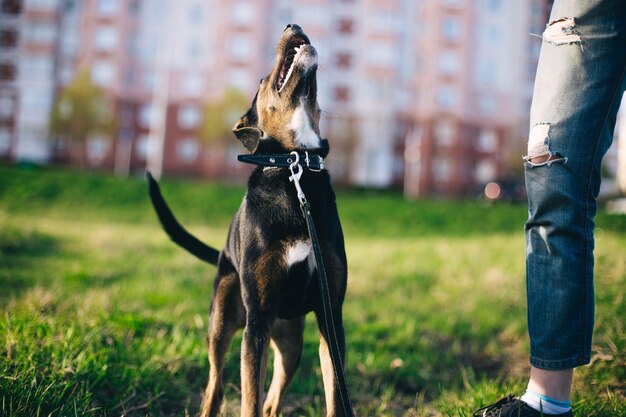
(293, 27)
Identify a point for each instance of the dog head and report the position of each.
(285, 107)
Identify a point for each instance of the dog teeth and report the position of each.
(283, 78)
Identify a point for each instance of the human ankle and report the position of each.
(554, 384)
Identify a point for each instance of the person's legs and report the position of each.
(579, 84)
(578, 88)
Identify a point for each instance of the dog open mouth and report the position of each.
(297, 51)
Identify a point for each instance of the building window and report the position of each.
(5, 141)
(97, 148)
(12, 7)
(129, 77)
(346, 26)
(451, 29)
(133, 7)
(240, 79)
(196, 14)
(69, 6)
(447, 97)
(149, 78)
(194, 49)
(105, 39)
(344, 60)
(382, 20)
(69, 42)
(342, 94)
(485, 171)
(488, 71)
(7, 106)
(40, 32)
(187, 150)
(494, 5)
(7, 72)
(148, 115)
(36, 67)
(8, 38)
(47, 5)
(378, 88)
(107, 7)
(445, 132)
(449, 63)
(487, 105)
(192, 85)
(243, 14)
(487, 141)
(143, 146)
(240, 47)
(313, 14)
(189, 116)
(493, 35)
(103, 73)
(442, 169)
(382, 54)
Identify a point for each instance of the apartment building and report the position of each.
(428, 95)
(473, 88)
(28, 46)
(9, 32)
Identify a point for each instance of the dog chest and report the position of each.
(298, 252)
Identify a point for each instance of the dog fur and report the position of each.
(266, 274)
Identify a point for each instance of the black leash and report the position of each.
(335, 354)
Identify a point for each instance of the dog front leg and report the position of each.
(227, 316)
(287, 345)
(254, 364)
(259, 286)
(331, 391)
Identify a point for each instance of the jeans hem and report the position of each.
(558, 365)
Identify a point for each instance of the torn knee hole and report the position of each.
(562, 31)
(541, 159)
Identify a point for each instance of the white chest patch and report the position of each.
(298, 252)
(301, 125)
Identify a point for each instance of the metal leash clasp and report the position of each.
(295, 177)
(308, 163)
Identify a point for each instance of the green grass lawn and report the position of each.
(102, 315)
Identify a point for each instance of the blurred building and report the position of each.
(429, 95)
(28, 50)
(468, 122)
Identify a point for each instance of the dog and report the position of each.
(266, 273)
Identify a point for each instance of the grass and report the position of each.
(102, 315)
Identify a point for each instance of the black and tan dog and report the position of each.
(266, 274)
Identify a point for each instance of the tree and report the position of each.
(220, 115)
(82, 110)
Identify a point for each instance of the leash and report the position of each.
(335, 354)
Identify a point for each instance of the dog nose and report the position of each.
(295, 27)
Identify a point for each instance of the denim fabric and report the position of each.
(579, 85)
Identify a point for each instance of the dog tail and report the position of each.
(175, 231)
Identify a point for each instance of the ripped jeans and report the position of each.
(579, 85)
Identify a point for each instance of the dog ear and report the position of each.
(249, 136)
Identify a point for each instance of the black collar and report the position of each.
(270, 156)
